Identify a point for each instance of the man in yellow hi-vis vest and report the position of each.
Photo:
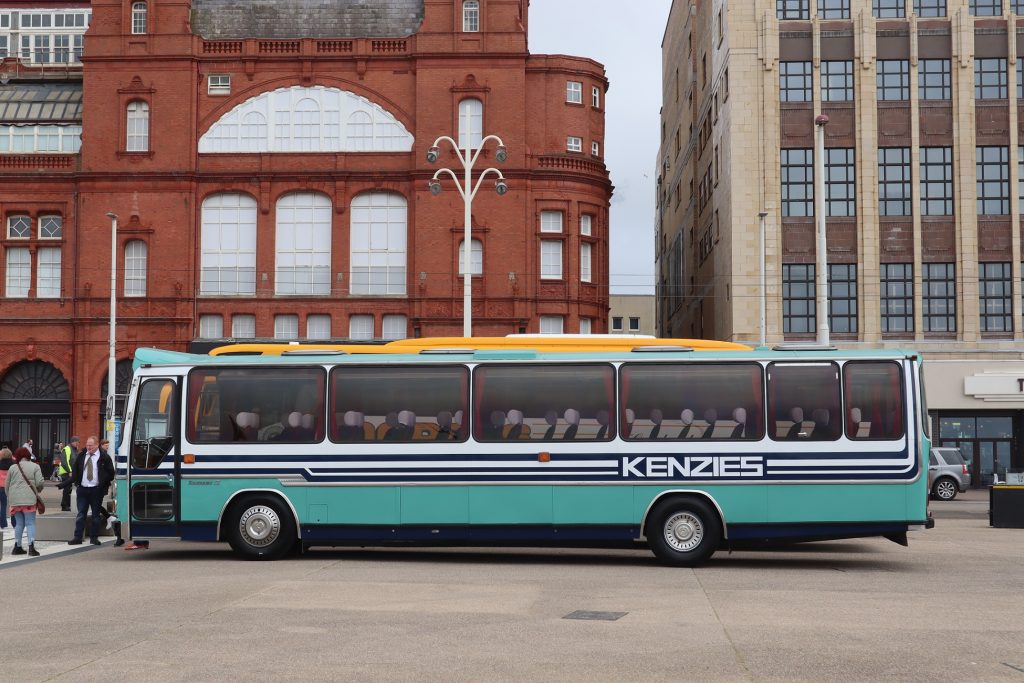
(67, 457)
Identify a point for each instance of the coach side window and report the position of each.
(544, 402)
(804, 402)
(874, 400)
(681, 401)
(252, 405)
(395, 403)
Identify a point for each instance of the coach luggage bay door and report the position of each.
(153, 461)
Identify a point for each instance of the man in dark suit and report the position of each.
(92, 473)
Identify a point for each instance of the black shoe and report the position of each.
(95, 541)
(18, 550)
(119, 542)
(32, 552)
(75, 541)
(65, 509)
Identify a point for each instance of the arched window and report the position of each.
(471, 16)
(138, 18)
(471, 123)
(138, 127)
(476, 257)
(378, 243)
(135, 252)
(303, 244)
(228, 235)
(306, 125)
(360, 131)
(254, 132)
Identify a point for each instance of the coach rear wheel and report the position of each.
(683, 532)
(261, 528)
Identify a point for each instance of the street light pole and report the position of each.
(112, 355)
(468, 191)
(821, 284)
(764, 291)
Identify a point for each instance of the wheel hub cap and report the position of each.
(260, 526)
(684, 531)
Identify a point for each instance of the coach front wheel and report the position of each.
(683, 532)
(260, 528)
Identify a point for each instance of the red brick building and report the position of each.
(267, 164)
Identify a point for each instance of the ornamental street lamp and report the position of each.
(466, 187)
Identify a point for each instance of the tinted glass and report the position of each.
(153, 423)
(874, 400)
(803, 402)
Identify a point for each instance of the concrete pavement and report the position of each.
(949, 607)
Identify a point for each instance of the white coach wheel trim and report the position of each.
(683, 531)
(259, 526)
(700, 495)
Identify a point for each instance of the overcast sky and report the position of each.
(626, 38)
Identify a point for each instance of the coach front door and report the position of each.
(153, 467)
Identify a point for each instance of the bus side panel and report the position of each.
(837, 503)
(203, 499)
(739, 504)
(356, 505)
(435, 505)
(510, 505)
(593, 505)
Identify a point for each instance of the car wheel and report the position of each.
(261, 528)
(944, 489)
(683, 532)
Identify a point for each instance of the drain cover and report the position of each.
(595, 616)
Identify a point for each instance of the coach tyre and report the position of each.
(261, 528)
(683, 532)
(944, 489)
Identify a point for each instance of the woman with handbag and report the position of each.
(24, 482)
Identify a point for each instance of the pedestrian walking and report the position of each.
(24, 482)
(5, 465)
(92, 473)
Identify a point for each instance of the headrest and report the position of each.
(406, 418)
(602, 418)
(797, 414)
(630, 416)
(551, 417)
(686, 416)
(497, 418)
(656, 416)
(242, 420)
(855, 414)
(294, 419)
(740, 415)
(457, 417)
(820, 416)
(572, 416)
(710, 415)
(444, 419)
(515, 417)
(254, 420)
(353, 418)
(391, 420)
(307, 421)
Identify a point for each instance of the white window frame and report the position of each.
(471, 123)
(476, 257)
(552, 324)
(137, 126)
(48, 272)
(586, 224)
(18, 272)
(471, 16)
(551, 259)
(360, 326)
(243, 326)
(551, 221)
(378, 236)
(136, 253)
(318, 326)
(595, 149)
(617, 323)
(634, 324)
(22, 220)
(395, 327)
(211, 326)
(286, 326)
(573, 144)
(586, 261)
(586, 326)
(218, 84)
(228, 245)
(595, 97)
(302, 264)
(140, 18)
(51, 226)
(574, 92)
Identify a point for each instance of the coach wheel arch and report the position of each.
(685, 494)
(684, 530)
(279, 511)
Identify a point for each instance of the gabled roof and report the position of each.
(237, 19)
(28, 103)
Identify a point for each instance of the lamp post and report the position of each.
(112, 355)
(467, 158)
(821, 284)
(764, 291)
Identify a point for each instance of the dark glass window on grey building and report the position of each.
(995, 294)
(1020, 174)
(990, 79)
(993, 175)
(933, 79)
(837, 81)
(1020, 77)
(938, 297)
(793, 9)
(936, 181)
(893, 79)
(798, 314)
(888, 9)
(840, 182)
(842, 298)
(833, 9)
(897, 297)
(930, 8)
(795, 82)
(797, 182)
(986, 8)
(894, 181)
(1017, 7)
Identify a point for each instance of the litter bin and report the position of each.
(1006, 506)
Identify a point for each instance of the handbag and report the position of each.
(40, 505)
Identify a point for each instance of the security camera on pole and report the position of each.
(467, 157)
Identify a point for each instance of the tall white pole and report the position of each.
(764, 289)
(821, 283)
(112, 356)
(467, 270)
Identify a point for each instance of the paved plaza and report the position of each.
(948, 608)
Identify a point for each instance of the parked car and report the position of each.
(948, 473)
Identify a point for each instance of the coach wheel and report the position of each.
(683, 532)
(261, 528)
(944, 489)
